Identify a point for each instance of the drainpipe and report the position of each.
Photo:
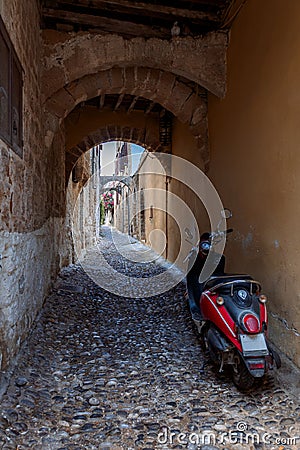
(123, 212)
(167, 219)
(165, 138)
(128, 213)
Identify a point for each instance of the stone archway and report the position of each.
(186, 101)
(79, 67)
(111, 132)
(176, 94)
(70, 57)
(175, 74)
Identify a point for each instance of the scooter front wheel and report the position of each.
(241, 376)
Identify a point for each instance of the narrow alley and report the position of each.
(106, 372)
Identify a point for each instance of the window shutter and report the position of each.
(11, 94)
(4, 86)
(16, 108)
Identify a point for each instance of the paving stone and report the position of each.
(101, 371)
(21, 381)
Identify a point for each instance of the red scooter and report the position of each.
(233, 324)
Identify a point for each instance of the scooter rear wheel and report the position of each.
(243, 380)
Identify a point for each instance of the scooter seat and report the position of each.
(226, 278)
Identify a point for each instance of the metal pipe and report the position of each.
(167, 219)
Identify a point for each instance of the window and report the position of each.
(11, 85)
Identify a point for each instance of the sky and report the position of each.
(108, 155)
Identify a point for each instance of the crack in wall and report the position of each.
(285, 324)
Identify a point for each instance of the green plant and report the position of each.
(102, 212)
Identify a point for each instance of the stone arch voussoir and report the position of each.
(139, 136)
(71, 57)
(160, 87)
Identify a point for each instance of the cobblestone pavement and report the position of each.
(107, 372)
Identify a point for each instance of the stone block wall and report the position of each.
(24, 175)
(83, 198)
(30, 232)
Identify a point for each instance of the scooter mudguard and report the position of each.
(256, 366)
(256, 354)
(217, 341)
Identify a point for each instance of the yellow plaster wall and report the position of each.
(81, 124)
(184, 146)
(255, 158)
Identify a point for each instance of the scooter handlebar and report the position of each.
(214, 236)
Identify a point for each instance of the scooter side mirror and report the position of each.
(226, 213)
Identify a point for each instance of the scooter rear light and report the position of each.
(251, 323)
(256, 366)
